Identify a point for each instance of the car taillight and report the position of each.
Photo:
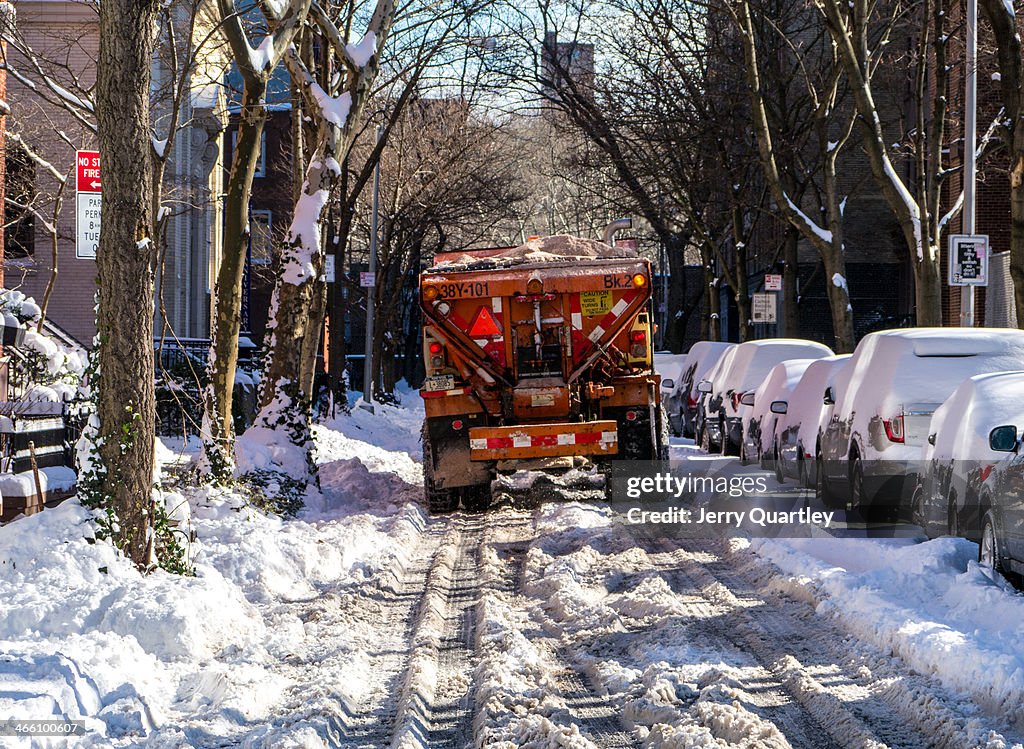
(691, 401)
(736, 398)
(986, 471)
(894, 428)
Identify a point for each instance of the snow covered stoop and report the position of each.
(36, 475)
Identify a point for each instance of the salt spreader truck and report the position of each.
(537, 357)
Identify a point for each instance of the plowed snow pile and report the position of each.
(186, 660)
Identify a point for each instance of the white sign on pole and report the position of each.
(366, 280)
(89, 200)
(968, 260)
(329, 268)
(772, 282)
(762, 308)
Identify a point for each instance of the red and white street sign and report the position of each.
(89, 201)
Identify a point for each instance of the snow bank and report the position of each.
(158, 658)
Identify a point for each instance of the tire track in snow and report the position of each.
(435, 702)
(861, 701)
(950, 721)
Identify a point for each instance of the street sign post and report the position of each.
(762, 308)
(367, 280)
(88, 202)
(968, 260)
(772, 282)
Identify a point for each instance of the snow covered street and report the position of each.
(367, 623)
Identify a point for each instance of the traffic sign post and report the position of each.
(88, 203)
(762, 308)
(968, 260)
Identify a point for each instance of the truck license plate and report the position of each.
(444, 382)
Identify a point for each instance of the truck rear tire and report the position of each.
(439, 501)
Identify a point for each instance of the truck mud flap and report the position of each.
(450, 454)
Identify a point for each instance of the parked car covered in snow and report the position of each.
(1001, 506)
(768, 404)
(683, 399)
(958, 457)
(884, 401)
(798, 434)
(669, 366)
(710, 438)
(743, 369)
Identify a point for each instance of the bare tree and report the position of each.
(827, 239)
(1003, 20)
(337, 109)
(256, 63)
(861, 30)
(125, 314)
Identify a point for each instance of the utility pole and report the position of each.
(371, 289)
(970, 148)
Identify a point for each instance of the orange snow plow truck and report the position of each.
(537, 357)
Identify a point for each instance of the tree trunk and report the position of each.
(790, 268)
(928, 289)
(124, 263)
(218, 438)
(1011, 76)
(675, 335)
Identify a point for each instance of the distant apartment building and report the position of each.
(565, 62)
(64, 35)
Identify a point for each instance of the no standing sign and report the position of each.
(89, 199)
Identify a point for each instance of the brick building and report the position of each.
(64, 34)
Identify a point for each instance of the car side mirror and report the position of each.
(704, 386)
(830, 396)
(1003, 439)
(779, 407)
(747, 399)
(931, 439)
(668, 384)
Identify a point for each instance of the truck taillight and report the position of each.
(894, 428)
(436, 348)
(639, 280)
(638, 340)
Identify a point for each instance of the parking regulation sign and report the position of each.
(762, 308)
(89, 200)
(968, 260)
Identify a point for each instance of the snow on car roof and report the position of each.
(956, 341)
(962, 423)
(751, 361)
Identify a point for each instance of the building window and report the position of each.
(21, 194)
(260, 237)
(261, 160)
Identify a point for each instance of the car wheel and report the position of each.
(990, 550)
(857, 498)
(778, 466)
(704, 440)
(953, 520)
(917, 511)
(822, 490)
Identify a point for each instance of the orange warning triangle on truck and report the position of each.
(484, 324)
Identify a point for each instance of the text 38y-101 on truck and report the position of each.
(537, 357)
